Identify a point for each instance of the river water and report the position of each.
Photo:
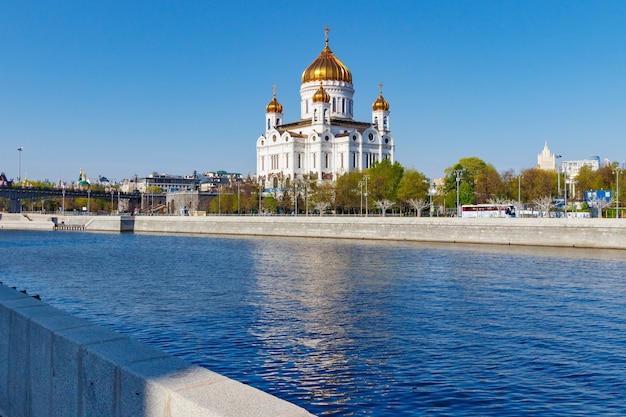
(355, 328)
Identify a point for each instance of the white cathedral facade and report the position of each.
(326, 142)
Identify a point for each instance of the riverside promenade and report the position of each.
(554, 232)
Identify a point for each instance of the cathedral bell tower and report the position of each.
(273, 113)
(380, 113)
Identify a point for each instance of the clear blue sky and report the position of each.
(120, 88)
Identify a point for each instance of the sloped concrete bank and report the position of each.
(55, 364)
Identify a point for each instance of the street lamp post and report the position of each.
(361, 189)
(617, 172)
(519, 191)
(558, 178)
(295, 197)
(457, 173)
(238, 206)
(565, 191)
(431, 192)
(306, 197)
(19, 164)
(366, 195)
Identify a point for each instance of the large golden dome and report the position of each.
(327, 67)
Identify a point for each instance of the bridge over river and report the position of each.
(15, 195)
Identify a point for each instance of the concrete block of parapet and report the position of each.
(101, 376)
(67, 350)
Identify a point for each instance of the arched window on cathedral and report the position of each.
(269, 125)
(385, 122)
(334, 104)
(325, 115)
(315, 115)
(376, 121)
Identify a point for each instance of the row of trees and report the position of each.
(391, 187)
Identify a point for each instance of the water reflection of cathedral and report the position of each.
(326, 142)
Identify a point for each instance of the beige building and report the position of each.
(546, 160)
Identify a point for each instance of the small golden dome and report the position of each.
(327, 67)
(380, 103)
(274, 106)
(321, 95)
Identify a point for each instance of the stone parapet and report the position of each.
(53, 364)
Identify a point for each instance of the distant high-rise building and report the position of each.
(326, 142)
(546, 160)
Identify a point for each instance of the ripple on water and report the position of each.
(355, 328)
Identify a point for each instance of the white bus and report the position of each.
(487, 210)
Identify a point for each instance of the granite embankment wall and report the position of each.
(55, 364)
(584, 233)
(589, 233)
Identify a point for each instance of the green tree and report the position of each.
(488, 185)
(348, 189)
(270, 205)
(384, 180)
(468, 170)
(538, 183)
(153, 189)
(323, 193)
(413, 186)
